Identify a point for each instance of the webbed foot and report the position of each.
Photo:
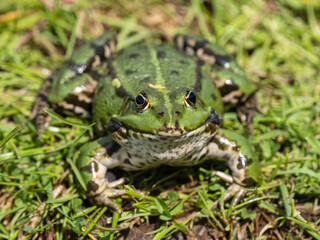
(94, 162)
(106, 191)
(234, 190)
(223, 149)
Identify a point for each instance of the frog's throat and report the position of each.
(121, 131)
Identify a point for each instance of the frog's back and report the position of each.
(149, 64)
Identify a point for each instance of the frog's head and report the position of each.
(173, 113)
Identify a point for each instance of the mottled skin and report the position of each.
(152, 104)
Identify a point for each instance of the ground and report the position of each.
(277, 43)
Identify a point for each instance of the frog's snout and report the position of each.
(169, 130)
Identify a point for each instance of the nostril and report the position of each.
(178, 113)
(160, 114)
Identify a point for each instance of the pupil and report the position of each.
(140, 100)
(192, 97)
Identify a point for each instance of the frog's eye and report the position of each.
(190, 99)
(142, 102)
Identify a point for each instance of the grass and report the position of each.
(278, 45)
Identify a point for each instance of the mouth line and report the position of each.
(124, 134)
(123, 131)
(210, 125)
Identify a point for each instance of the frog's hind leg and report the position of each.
(207, 51)
(79, 77)
(71, 89)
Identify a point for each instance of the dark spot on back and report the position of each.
(184, 62)
(145, 80)
(161, 54)
(161, 114)
(142, 46)
(213, 96)
(134, 55)
(174, 72)
(178, 113)
(129, 72)
(122, 92)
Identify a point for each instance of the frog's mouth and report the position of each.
(122, 131)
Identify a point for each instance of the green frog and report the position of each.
(152, 104)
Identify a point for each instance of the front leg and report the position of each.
(93, 162)
(223, 149)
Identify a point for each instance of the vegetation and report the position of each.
(278, 45)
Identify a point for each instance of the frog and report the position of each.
(152, 104)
